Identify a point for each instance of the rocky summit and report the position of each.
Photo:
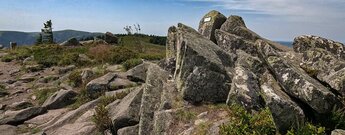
(221, 79)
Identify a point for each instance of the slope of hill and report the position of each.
(29, 38)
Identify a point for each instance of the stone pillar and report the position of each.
(13, 45)
(209, 23)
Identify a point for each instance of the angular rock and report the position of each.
(100, 84)
(132, 130)
(297, 83)
(171, 43)
(60, 99)
(306, 42)
(138, 73)
(116, 92)
(233, 22)
(150, 102)
(209, 23)
(51, 115)
(69, 117)
(110, 38)
(86, 74)
(120, 83)
(85, 128)
(20, 105)
(203, 70)
(231, 43)
(114, 68)
(8, 130)
(18, 117)
(338, 132)
(126, 113)
(27, 78)
(215, 127)
(325, 67)
(64, 70)
(286, 113)
(71, 42)
(245, 90)
(162, 122)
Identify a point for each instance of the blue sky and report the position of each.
(274, 19)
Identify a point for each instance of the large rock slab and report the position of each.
(297, 83)
(126, 113)
(8, 130)
(286, 113)
(151, 98)
(132, 130)
(85, 128)
(51, 115)
(138, 73)
(203, 70)
(338, 132)
(60, 99)
(171, 43)
(162, 121)
(233, 22)
(120, 83)
(20, 105)
(18, 117)
(245, 90)
(209, 23)
(325, 67)
(306, 42)
(230, 43)
(100, 84)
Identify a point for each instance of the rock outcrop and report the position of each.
(110, 38)
(100, 84)
(71, 42)
(60, 99)
(18, 117)
(209, 23)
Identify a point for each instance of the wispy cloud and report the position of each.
(317, 10)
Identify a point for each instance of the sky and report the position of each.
(279, 20)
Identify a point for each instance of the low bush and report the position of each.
(121, 54)
(307, 129)
(128, 64)
(244, 123)
(75, 78)
(8, 58)
(100, 53)
(185, 115)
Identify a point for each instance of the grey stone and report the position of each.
(171, 43)
(120, 83)
(233, 22)
(162, 122)
(286, 113)
(110, 38)
(138, 73)
(8, 130)
(338, 132)
(71, 42)
(18, 117)
(60, 99)
(306, 42)
(100, 84)
(297, 83)
(151, 98)
(209, 23)
(132, 130)
(20, 105)
(64, 70)
(126, 113)
(203, 70)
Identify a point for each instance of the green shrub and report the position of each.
(121, 54)
(128, 64)
(185, 115)
(43, 94)
(101, 53)
(102, 119)
(307, 129)
(334, 120)
(8, 58)
(244, 123)
(22, 52)
(48, 55)
(69, 58)
(75, 78)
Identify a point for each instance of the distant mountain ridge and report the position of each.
(29, 38)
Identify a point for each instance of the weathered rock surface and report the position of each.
(51, 115)
(297, 83)
(110, 38)
(100, 84)
(120, 83)
(245, 90)
(231, 43)
(71, 42)
(203, 70)
(209, 23)
(60, 99)
(150, 102)
(126, 113)
(162, 122)
(8, 130)
(338, 132)
(132, 130)
(18, 117)
(286, 113)
(138, 73)
(20, 105)
(325, 67)
(171, 43)
(306, 42)
(64, 70)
